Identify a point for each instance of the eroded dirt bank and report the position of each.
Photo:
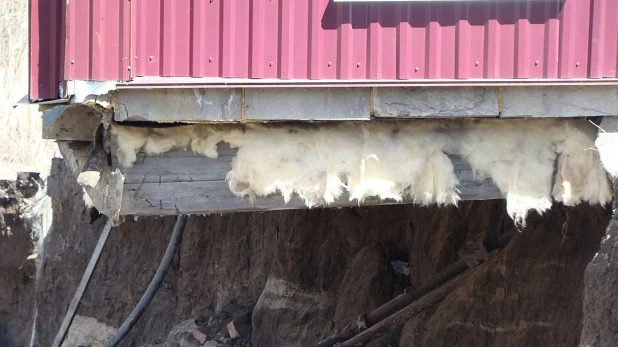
(17, 268)
(600, 322)
(304, 273)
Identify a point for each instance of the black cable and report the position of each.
(143, 303)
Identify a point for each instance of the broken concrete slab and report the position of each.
(74, 122)
(357, 103)
(307, 104)
(107, 194)
(560, 101)
(421, 102)
(176, 105)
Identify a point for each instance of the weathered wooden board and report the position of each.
(183, 182)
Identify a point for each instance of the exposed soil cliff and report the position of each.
(304, 274)
(601, 290)
(17, 268)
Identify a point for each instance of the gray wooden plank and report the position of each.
(178, 166)
(164, 169)
(190, 183)
(215, 197)
(186, 166)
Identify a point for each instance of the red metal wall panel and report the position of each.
(320, 39)
(294, 50)
(175, 37)
(97, 40)
(206, 60)
(574, 44)
(234, 36)
(46, 32)
(603, 52)
(264, 24)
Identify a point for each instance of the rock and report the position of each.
(199, 336)
(401, 270)
(184, 342)
(527, 295)
(367, 283)
(240, 327)
(289, 315)
(203, 316)
(87, 331)
(232, 330)
(600, 303)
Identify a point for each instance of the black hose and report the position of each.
(143, 303)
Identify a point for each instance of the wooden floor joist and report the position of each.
(183, 182)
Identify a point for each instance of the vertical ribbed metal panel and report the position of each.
(574, 50)
(145, 37)
(603, 51)
(97, 40)
(206, 42)
(320, 39)
(234, 33)
(294, 39)
(176, 37)
(264, 24)
(46, 56)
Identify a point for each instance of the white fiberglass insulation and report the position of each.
(403, 160)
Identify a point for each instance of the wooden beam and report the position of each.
(182, 182)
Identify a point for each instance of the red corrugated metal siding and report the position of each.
(46, 32)
(320, 39)
(97, 40)
(603, 52)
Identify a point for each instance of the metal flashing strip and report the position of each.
(428, 0)
(81, 89)
(197, 82)
(25, 101)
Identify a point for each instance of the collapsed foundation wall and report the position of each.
(306, 272)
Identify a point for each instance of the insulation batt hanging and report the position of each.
(532, 162)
